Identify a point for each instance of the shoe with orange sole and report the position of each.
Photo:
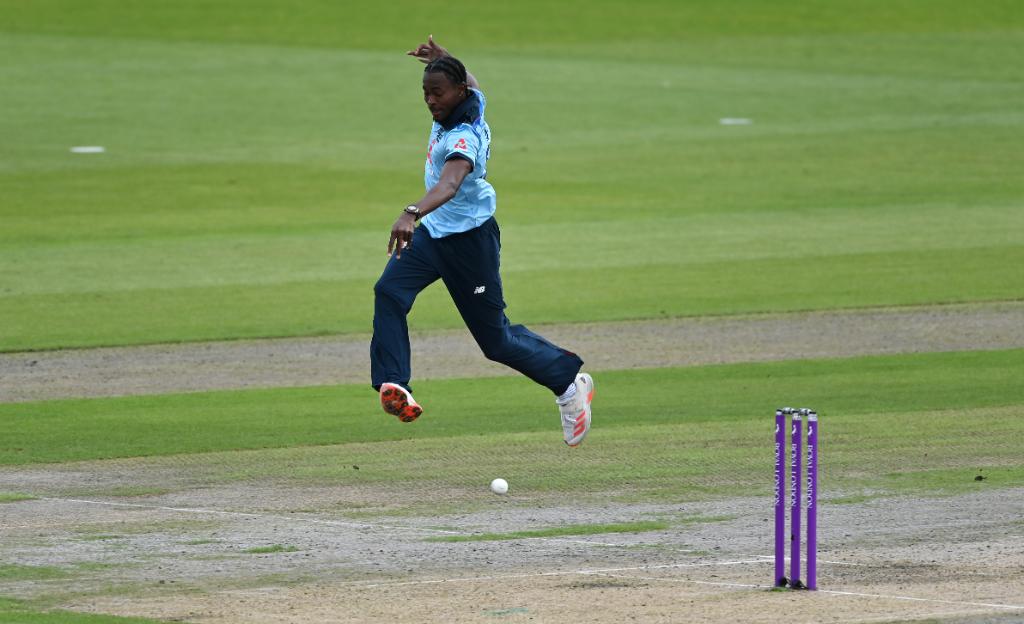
(398, 402)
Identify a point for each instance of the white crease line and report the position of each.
(944, 614)
(912, 598)
(656, 578)
(605, 571)
(243, 514)
(839, 563)
(834, 592)
(471, 579)
(360, 525)
(609, 571)
(666, 566)
(314, 521)
(923, 528)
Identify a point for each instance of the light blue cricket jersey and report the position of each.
(466, 135)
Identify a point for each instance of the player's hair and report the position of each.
(449, 66)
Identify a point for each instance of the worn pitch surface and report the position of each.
(183, 542)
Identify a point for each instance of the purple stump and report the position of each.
(794, 502)
(780, 498)
(812, 500)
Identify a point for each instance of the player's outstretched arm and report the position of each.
(430, 51)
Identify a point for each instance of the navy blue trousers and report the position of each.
(468, 264)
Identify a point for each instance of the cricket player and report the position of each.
(458, 241)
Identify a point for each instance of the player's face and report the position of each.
(441, 94)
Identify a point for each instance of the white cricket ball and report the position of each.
(499, 486)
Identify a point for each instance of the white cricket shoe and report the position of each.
(398, 402)
(576, 413)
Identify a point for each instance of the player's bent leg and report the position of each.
(470, 271)
(519, 348)
(398, 402)
(548, 365)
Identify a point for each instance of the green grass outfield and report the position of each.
(258, 152)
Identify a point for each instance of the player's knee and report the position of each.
(384, 292)
(498, 351)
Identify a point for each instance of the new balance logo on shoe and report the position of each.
(479, 290)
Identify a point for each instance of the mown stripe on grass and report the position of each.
(655, 290)
(84, 429)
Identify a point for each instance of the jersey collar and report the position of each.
(468, 112)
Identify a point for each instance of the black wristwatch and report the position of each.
(413, 210)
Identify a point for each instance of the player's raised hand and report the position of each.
(428, 51)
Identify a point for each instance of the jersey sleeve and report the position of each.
(462, 143)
